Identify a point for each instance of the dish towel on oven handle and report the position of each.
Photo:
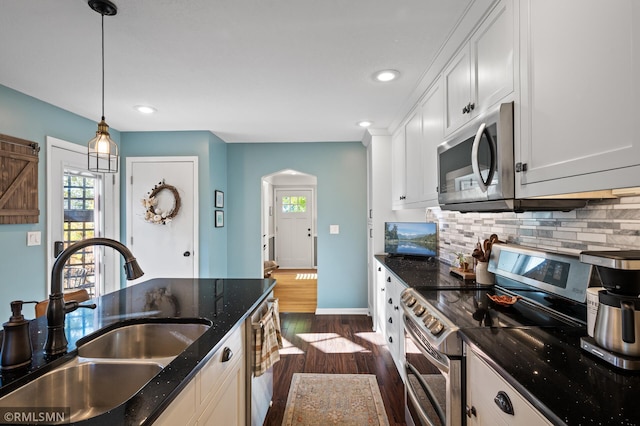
(268, 340)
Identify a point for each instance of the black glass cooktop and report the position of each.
(472, 308)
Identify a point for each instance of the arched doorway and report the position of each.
(289, 218)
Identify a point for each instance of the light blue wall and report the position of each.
(212, 174)
(23, 269)
(341, 197)
(236, 169)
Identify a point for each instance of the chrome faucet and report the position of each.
(56, 342)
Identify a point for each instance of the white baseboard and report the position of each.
(342, 311)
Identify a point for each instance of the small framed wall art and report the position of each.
(219, 201)
(219, 218)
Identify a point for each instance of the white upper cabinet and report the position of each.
(457, 77)
(398, 169)
(580, 63)
(414, 160)
(432, 136)
(481, 74)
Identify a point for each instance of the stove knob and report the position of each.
(427, 318)
(436, 328)
(431, 321)
(411, 301)
(419, 310)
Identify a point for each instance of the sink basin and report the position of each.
(88, 388)
(111, 367)
(143, 341)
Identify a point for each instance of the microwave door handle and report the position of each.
(474, 158)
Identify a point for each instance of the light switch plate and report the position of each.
(33, 238)
(334, 229)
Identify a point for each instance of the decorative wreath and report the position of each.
(158, 216)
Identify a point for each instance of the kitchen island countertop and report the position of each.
(225, 302)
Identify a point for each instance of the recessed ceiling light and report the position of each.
(385, 76)
(364, 123)
(145, 109)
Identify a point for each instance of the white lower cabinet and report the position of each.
(486, 388)
(381, 301)
(394, 328)
(216, 396)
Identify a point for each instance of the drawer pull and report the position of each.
(227, 354)
(502, 400)
(471, 411)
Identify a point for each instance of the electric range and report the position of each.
(550, 287)
(551, 291)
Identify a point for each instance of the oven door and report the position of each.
(433, 385)
(477, 164)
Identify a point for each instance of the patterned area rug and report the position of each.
(334, 399)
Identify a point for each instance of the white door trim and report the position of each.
(111, 213)
(196, 205)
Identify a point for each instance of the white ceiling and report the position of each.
(246, 70)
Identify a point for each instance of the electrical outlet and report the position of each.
(33, 238)
(334, 229)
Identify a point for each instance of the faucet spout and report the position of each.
(56, 342)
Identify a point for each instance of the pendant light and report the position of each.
(103, 151)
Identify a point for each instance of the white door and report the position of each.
(164, 248)
(294, 230)
(80, 205)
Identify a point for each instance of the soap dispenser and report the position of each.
(16, 344)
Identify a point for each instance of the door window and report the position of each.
(294, 204)
(80, 223)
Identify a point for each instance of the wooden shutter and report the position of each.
(18, 180)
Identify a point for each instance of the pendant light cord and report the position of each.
(102, 15)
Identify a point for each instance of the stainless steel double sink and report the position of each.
(109, 369)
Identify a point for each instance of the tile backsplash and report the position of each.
(601, 225)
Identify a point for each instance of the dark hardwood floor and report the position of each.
(338, 344)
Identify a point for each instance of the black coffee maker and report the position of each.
(617, 326)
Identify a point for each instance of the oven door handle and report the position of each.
(441, 365)
(427, 390)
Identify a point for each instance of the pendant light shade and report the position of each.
(103, 151)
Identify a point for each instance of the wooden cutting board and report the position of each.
(465, 275)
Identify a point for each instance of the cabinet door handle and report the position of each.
(502, 400)
(388, 279)
(390, 320)
(471, 411)
(379, 268)
(465, 109)
(471, 106)
(227, 354)
(390, 301)
(390, 339)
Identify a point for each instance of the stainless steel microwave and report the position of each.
(476, 169)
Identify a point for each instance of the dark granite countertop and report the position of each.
(425, 272)
(546, 365)
(225, 302)
(550, 370)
